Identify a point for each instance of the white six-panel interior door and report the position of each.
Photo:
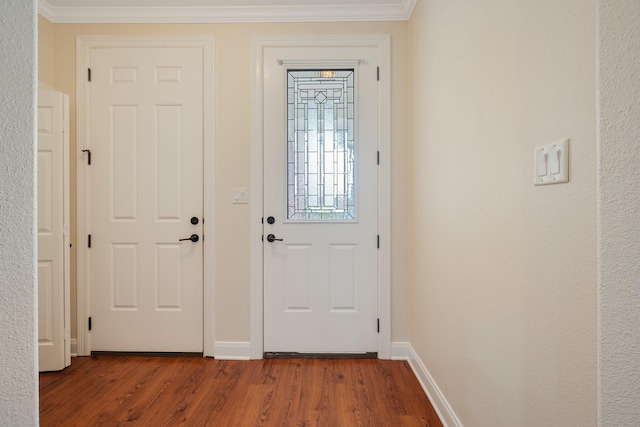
(144, 196)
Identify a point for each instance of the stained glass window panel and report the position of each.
(320, 145)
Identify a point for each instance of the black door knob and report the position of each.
(194, 238)
(272, 238)
(194, 220)
(271, 220)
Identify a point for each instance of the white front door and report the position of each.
(320, 199)
(54, 351)
(145, 195)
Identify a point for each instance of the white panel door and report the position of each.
(53, 238)
(320, 190)
(146, 185)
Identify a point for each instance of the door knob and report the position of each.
(271, 238)
(194, 220)
(194, 238)
(271, 220)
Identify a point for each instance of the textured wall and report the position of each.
(503, 273)
(619, 219)
(18, 352)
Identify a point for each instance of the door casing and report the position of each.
(383, 44)
(84, 45)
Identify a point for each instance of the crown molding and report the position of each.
(45, 10)
(220, 14)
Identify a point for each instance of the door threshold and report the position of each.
(296, 355)
(146, 353)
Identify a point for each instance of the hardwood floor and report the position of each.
(163, 391)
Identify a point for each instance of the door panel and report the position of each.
(343, 280)
(146, 183)
(320, 185)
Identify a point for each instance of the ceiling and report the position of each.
(103, 11)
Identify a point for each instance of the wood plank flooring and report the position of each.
(168, 391)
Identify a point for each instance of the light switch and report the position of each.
(551, 163)
(541, 159)
(240, 195)
(554, 161)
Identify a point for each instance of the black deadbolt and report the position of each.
(271, 220)
(194, 220)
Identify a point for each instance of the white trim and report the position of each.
(213, 14)
(400, 350)
(383, 43)
(208, 175)
(84, 44)
(229, 350)
(435, 395)
(83, 301)
(46, 10)
(384, 198)
(256, 271)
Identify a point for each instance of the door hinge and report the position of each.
(88, 156)
(89, 74)
(90, 323)
(89, 240)
(378, 159)
(378, 241)
(378, 325)
(378, 73)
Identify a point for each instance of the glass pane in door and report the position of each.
(320, 145)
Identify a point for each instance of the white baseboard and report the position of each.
(232, 350)
(439, 402)
(74, 347)
(221, 350)
(400, 350)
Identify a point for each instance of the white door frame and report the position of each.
(258, 44)
(84, 45)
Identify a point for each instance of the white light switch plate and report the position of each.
(551, 163)
(240, 195)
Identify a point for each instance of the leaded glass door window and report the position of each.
(321, 145)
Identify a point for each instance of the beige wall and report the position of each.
(232, 103)
(503, 273)
(45, 51)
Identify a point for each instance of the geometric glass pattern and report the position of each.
(320, 145)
